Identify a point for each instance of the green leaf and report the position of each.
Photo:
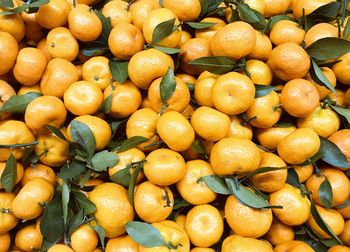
(322, 224)
(106, 26)
(345, 204)
(107, 104)
(216, 184)
(76, 221)
(130, 143)
(103, 160)
(101, 234)
(19, 103)
(122, 176)
(132, 183)
(180, 204)
(65, 201)
(9, 175)
(6, 3)
(326, 12)
(213, 5)
(263, 90)
(167, 50)
(342, 111)
(328, 49)
(214, 64)
(197, 146)
(71, 170)
(332, 154)
(46, 245)
(163, 30)
(346, 31)
(264, 170)
(284, 124)
(119, 70)
(251, 16)
(93, 51)
(275, 19)
(167, 85)
(325, 193)
(144, 234)
(83, 135)
(24, 7)
(246, 196)
(200, 25)
(204, 7)
(51, 224)
(318, 76)
(57, 132)
(84, 203)
(293, 178)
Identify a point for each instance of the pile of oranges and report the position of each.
(175, 125)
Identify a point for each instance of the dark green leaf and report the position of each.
(103, 160)
(251, 16)
(284, 124)
(76, 221)
(101, 234)
(213, 5)
(9, 175)
(144, 234)
(275, 19)
(107, 104)
(27, 153)
(65, 200)
(325, 193)
(293, 178)
(84, 203)
(204, 7)
(200, 25)
(57, 132)
(246, 196)
(312, 160)
(167, 85)
(119, 70)
(122, 176)
(132, 183)
(130, 143)
(318, 76)
(264, 170)
(328, 48)
(216, 184)
(197, 146)
(322, 224)
(106, 26)
(343, 112)
(93, 51)
(167, 50)
(19, 103)
(45, 245)
(163, 30)
(83, 135)
(72, 170)
(180, 204)
(190, 87)
(24, 7)
(214, 64)
(83, 179)
(6, 3)
(326, 12)
(332, 154)
(346, 32)
(51, 224)
(345, 204)
(262, 90)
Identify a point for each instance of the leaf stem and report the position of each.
(18, 145)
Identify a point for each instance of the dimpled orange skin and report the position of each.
(239, 129)
(233, 155)
(240, 243)
(263, 47)
(296, 208)
(61, 43)
(273, 180)
(208, 33)
(185, 10)
(247, 221)
(30, 65)
(293, 246)
(84, 239)
(26, 205)
(338, 181)
(304, 172)
(125, 40)
(14, 132)
(140, 9)
(100, 129)
(83, 98)
(308, 6)
(6, 91)
(164, 167)
(43, 47)
(28, 238)
(342, 68)
(331, 217)
(265, 110)
(299, 97)
(121, 96)
(143, 122)
(19, 169)
(260, 72)
(175, 130)
(43, 111)
(191, 187)
(113, 209)
(233, 93)
(8, 52)
(204, 225)
(7, 219)
(345, 235)
(275, 7)
(122, 243)
(235, 40)
(33, 31)
(199, 249)
(12, 24)
(53, 14)
(150, 199)
(341, 138)
(289, 61)
(148, 65)
(270, 137)
(96, 70)
(38, 171)
(202, 91)
(319, 31)
(171, 232)
(286, 31)
(84, 24)
(210, 124)
(339, 248)
(5, 242)
(279, 233)
(178, 101)
(59, 74)
(301, 139)
(60, 248)
(117, 10)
